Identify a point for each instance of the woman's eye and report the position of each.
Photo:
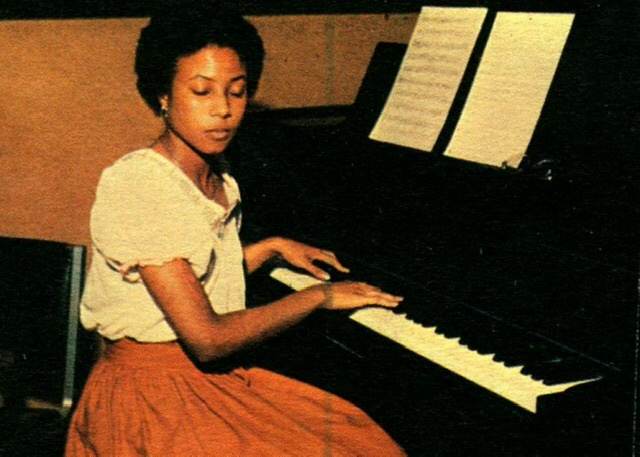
(237, 93)
(201, 92)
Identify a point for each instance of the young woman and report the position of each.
(166, 285)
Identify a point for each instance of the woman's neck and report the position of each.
(193, 164)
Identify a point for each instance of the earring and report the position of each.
(164, 112)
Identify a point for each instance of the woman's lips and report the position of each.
(219, 134)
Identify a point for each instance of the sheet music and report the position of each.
(429, 76)
(510, 87)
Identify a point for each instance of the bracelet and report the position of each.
(328, 294)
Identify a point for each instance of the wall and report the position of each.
(69, 105)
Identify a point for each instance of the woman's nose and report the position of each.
(219, 106)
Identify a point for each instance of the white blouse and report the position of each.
(148, 212)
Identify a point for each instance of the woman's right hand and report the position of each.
(351, 294)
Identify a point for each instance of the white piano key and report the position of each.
(292, 279)
(508, 382)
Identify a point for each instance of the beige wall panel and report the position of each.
(354, 40)
(70, 108)
(296, 60)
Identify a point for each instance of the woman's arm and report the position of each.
(297, 254)
(258, 253)
(177, 291)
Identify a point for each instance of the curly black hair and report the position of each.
(181, 28)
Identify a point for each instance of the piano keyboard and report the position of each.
(508, 382)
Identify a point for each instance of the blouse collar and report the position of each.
(230, 185)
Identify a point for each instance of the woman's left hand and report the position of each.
(302, 256)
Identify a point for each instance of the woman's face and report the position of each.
(208, 98)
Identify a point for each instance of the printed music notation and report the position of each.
(507, 93)
(510, 87)
(429, 76)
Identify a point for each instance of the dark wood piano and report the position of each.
(534, 267)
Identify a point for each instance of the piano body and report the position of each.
(534, 267)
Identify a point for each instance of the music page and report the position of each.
(429, 76)
(510, 87)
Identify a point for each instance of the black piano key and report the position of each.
(477, 333)
(482, 333)
(543, 361)
(514, 348)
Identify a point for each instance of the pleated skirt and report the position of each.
(151, 400)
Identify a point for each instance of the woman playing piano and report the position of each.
(166, 287)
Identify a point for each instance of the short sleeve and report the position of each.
(142, 215)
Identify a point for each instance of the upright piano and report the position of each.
(533, 270)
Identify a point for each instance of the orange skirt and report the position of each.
(149, 399)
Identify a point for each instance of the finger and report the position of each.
(316, 272)
(366, 289)
(384, 298)
(372, 289)
(387, 303)
(362, 287)
(385, 295)
(331, 259)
